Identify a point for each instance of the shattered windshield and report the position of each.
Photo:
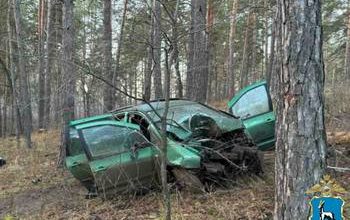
(180, 115)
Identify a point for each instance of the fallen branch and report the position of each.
(339, 169)
(342, 154)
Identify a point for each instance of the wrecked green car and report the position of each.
(119, 151)
(253, 106)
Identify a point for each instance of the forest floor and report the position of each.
(32, 187)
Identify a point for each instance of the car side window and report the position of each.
(74, 146)
(137, 140)
(252, 103)
(106, 140)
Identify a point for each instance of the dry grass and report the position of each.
(31, 187)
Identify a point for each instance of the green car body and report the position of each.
(254, 106)
(120, 150)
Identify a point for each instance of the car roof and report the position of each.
(108, 122)
(90, 119)
(157, 104)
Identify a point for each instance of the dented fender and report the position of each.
(183, 156)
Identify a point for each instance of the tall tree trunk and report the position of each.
(266, 40)
(54, 38)
(244, 65)
(149, 68)
(25, 102)
(4, 111)
(42, 73)
(12, 60)
(175, 55)
(272, 52)
(190, 55)
(67, 73)
(164, 141)
(231, 62)
(157, 77)
(210, 47)
(108, 96)
(253, 50)
(120, 44)
(347, 49)
(276, 56)
(300, 133)
(1, 118)
(200, 58)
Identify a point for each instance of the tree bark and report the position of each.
(108, 96)
(149, 68)
(300, 130)
(266, 40)
(175, 55)
(200, 58)
(164, 141)
(157, 77)
(231, 62)
(347, 49)
(25, 102)
(15, 115)
(271, 62)
(244, 65)
(68, 74)
(54, 38)
(190, 55)
(120, 43)
(42, 72)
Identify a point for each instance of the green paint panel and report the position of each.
(79, 167)
(180, 155)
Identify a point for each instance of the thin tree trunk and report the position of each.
(68, 74)
(200, 59)
(190, 55)
(157, 77)
(175, 55)
(53, 51)
(252, 51)
(25, 103)
(120, 43)
(15, 116)
(347, 49)
(276, 57)
(210, 47)
(149, 68)
(1, 118)
(42, 73)
(244, 65)
(266, 40)
(4, 111)
(300, 132)
(272, 51)
(164, 142)
(231, 63)
(108, 96)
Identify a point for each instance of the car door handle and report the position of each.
(75, 163)
(269, 119)
(101, 168)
